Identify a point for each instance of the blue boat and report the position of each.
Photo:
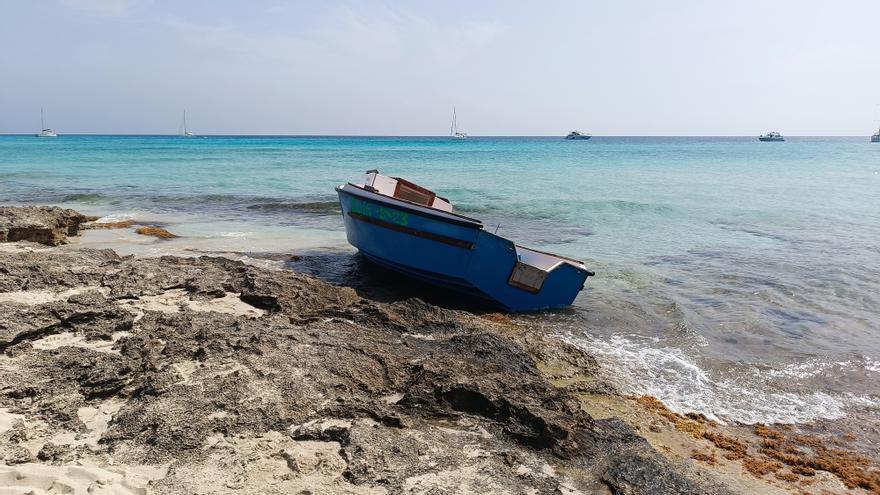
(407, 228)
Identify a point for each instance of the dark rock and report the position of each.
(405, 389)
(55, 454)
(43, 224)
(17, 454)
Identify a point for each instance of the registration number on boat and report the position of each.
(380, 212)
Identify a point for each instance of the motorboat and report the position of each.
(577, 135)
(771, 136)
(410, 229)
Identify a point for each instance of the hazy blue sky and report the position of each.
(361, 67)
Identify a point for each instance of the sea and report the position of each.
(734, 278)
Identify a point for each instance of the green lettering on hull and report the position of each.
(379, 212)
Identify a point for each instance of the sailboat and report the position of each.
(186, 133)
(876, 137)
(453, 130)
(46, 132)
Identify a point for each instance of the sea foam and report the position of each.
(643, 366)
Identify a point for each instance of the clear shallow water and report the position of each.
(735, 278)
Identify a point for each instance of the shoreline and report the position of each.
(164, 367)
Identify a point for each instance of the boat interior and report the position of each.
(541, 260)
(396, 187)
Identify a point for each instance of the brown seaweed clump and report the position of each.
(122, 224)
(778, 447)
(808, 454)
(760, 466)
(155, 232)
(735, 448)
(497, 318)
(693, 424)
(707, 456)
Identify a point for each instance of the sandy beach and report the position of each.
(209, 375)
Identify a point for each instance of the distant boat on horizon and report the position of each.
(577, 135)
(875, 138)
(45, 132)
(771, 136)
(453, 130)
(185, 132)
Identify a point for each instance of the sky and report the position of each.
(398, 68)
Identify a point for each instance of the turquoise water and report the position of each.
(734, 278)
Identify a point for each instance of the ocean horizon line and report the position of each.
(438, 136)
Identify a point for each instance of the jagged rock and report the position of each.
(48, 225)
(55, 454)
(371, 397)
(17, 454)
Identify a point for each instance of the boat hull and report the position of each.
(577, 138)
(766, 139)
(875, 139)
(449, 251)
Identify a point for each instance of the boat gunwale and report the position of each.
(563, 258)
(441, 215)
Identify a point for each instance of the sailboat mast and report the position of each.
(184, 122)
(42, 124)
(454, 128)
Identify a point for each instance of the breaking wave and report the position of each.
(643, 366)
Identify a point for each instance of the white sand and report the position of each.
(71, 339)
(43, 296)
(172, 301)
(276, 464)
(97, 420)
(7, 419)
(39, 479)
(22, 247)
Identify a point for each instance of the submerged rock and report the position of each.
(48, 225)
(121, 224)
(154, 231)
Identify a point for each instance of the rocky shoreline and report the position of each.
(208, 375)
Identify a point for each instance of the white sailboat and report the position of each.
(45, 132)
(875, 138)
(185, 132)
(453, 130)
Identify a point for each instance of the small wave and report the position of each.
(117, 217)
(321, 207)
(549, 208)
(623, 206)
(644, 367)
(88, 198)
(474, 209)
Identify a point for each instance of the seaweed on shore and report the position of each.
(807, 454)
(122, 224)
(155, 232)
(776, 448)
